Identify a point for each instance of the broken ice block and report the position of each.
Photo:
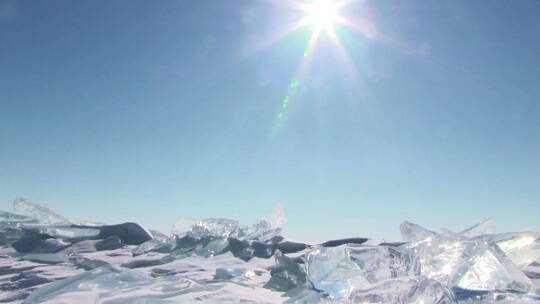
(69, 232)
(277, 218)
(404, 290)
(487, 268)
(264, 230)
(286, 274)
(8, 219)
(484, 227)
(153, 245)
(340, 270)
(128, 233)
(412, 232)
(41, 213)
(522, 248)
(212, 227)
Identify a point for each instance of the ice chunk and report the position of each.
(487, 269)
(404, 290)
(10, 235)
(266, 229)
(333, 271)
(70, 232)
(128, 233)
(485, 227)
(183, 226)
(33, 241)
(340, 270)
(212, 227)
(110, 243)
(42, 213)
(212, 248)
(522, 248)
(154, 245)
(412, 232)
(286, 274)
(277, 218)
(261, 231)
(8, 219)
(158, 235)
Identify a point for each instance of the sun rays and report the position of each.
(322, 16)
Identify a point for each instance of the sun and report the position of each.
(322, 13)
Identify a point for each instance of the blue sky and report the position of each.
(150, 111)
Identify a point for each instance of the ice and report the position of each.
(405, 290)
(42, 213)
(266, 229)
(485, 227)
(153, 245)
(69, 232)
(8, 219)
(333, 271)
(489, 269)
(341, 270)
(522, 248)
(412, 232)
(44, 258)
(108, 284)
(212, 227)
(229, 273)
(278, 218)
(263, 230)
(212, 248)
(286, 274)
(183, 226)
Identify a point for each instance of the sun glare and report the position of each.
(322, 13)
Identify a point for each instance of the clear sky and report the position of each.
(150, 111)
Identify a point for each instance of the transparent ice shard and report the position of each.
(333, 271)
(154, 245)
(412, 232)
(487, 226)
(277, 218)
(404, 290)
(69, 232)
(212, 248)
(183, 226)
(8, 219)
(488, 268)
(42, 213)
(340, 270)
(522, 248)
(212, 227)
(158, 235)
(266, 229)
(260, 231)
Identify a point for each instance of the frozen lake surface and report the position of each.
(46, 258)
